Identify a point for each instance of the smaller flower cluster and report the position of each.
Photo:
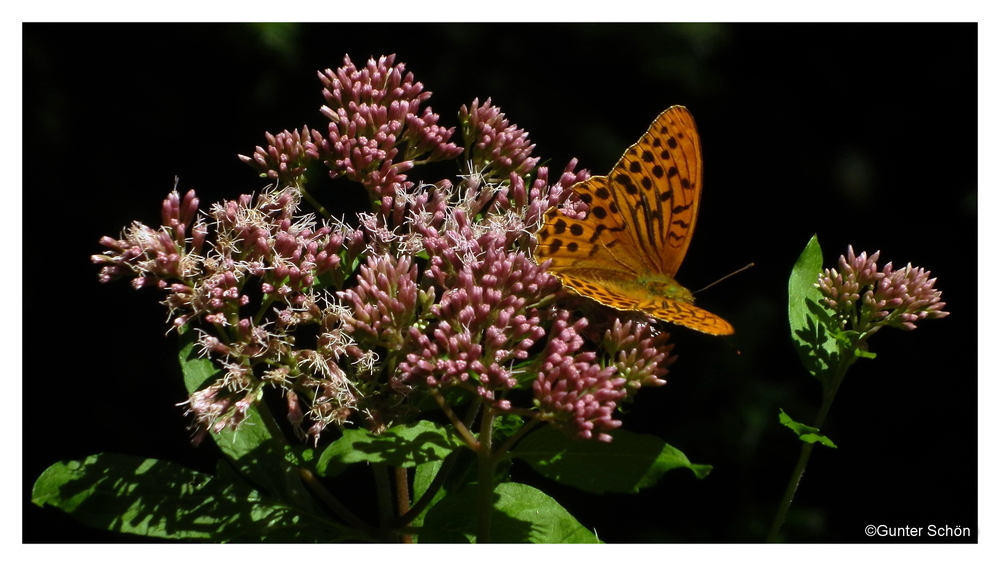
(156, 256)
(260, 251)
(498, 155)
(414, 213)
(373, 112)
(866, 298)
(516, 209)
(499, 148)
(542, 195)
(384, 302)
(487, 319)
(572, 392)
(333, 398)
(286, 156)
(216, 408)
(640, 355)
(376, 132)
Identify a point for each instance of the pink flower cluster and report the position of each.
(500, 147)
(487, 319)
(156, 256)
(376, 132)
(865, 298)
(571, 391)
(434, 288)
(384, 301)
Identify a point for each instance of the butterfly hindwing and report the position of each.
(602, 293)
(686, 314)
(670, 310)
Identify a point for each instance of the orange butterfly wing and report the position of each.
(625, 252)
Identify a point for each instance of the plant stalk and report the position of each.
(432, 489)
(786, 501)
(402, 498)
(484, 483)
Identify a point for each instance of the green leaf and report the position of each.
(626, 465)
(423, 476)
(814, 332)
(550, 522)
(505, 426)
(257, 450)
(520, 514)
(461, 472)
(401, 446)
(161, 499)
(806, 433)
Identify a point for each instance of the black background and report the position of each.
(862, 134)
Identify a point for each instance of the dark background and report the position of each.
(862, 134)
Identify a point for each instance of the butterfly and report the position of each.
(626, 251)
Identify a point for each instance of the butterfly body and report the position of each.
(626, 251)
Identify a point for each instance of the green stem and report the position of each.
(828, 395)
(265, 304)
(786, 500)
(486, 465)
(460, 426)
(315, 204)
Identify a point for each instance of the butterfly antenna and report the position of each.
(726, 338)
(712, 284)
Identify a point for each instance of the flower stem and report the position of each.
(829, 393)
(402, 498)
(432, 489)
(786, 500)
(460, 426)
(319, 207)
(486, 465)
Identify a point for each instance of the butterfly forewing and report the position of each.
(663, 171)
(599, 242)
